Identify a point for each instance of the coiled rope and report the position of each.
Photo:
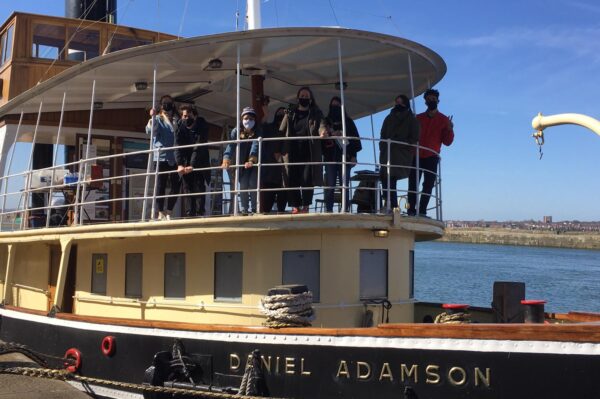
(288, 310)
(453, 318)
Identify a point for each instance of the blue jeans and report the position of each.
(333, 175)
(248, 179)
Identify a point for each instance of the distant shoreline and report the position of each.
(474, 235)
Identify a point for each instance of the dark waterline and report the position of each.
(568, 279)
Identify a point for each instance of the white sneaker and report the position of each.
(167, 215)
(161, 216)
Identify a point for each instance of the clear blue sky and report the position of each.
(507, 61)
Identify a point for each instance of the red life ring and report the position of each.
(108, 346)
(75, 355)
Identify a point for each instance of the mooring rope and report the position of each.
(288, 310)
(453, 318)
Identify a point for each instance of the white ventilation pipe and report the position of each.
(253, 14)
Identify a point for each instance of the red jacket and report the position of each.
(434, 132)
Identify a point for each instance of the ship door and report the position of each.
(53, 275)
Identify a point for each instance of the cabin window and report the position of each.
(228, 276)
(133, 275)
(175, 275)
(303, 267)
(121, 42)
(48, 41)
(83, 45)
(6, 45)
(373, 273)
(99, 271)
(411, 274)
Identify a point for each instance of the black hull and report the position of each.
(325, 367)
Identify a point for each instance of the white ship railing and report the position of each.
(18, 211)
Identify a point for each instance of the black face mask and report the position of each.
(431, 105)
(305, 102)
(168, 107)
(335, 112)
(400, 107)
(189, 121)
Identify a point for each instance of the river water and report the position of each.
(568, 279)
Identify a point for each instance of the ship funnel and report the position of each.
(93, 10)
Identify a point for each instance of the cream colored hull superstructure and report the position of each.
(28, 258)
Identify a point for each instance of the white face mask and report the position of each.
(248, 123)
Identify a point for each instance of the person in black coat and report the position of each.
(272, 170)
(193, 129)
(333, 151)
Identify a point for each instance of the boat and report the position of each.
(131, 306)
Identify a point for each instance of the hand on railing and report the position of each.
(225, 164)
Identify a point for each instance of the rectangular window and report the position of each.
(6, 45)
(121, 42)
(303, 267)
(411, 274)
(133, 275)
(84, 44)
(228, 276)
(373, 273)
(175, 275)
(99, 271)
(47, 41)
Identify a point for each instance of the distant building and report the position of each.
(547, 219)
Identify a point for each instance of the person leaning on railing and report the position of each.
(304, 156)
(399, 126)
(436, 129)
(248, 175)
(192, 129)
(164, 136)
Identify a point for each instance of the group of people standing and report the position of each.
(295, 146)
(186, 164)
(430, 130)
(293, 166)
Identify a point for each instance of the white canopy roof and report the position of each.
(375, 68)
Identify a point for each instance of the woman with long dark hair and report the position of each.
(304, 156)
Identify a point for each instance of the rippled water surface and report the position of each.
(569, 279)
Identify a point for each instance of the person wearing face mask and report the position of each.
(272, 171)
(333, 151)
(163, 135)
(402, 128)
(192, 129)
(304, 157)
(436, 129)
(247, 175)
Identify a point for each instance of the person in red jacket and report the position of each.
(436, 129)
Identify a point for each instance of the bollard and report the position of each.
(533, 310)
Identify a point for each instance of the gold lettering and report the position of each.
(302, 371)
(404, 370)
(266, 363)
(290, 365)
(462, 380)
(277, 365)
(386, 372)
(363, 375)
(234, 361)
(486, 378)
(432, 374)
(343, 370)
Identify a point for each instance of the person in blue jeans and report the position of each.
(248, 174)
(333, 150)
(163, 135)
